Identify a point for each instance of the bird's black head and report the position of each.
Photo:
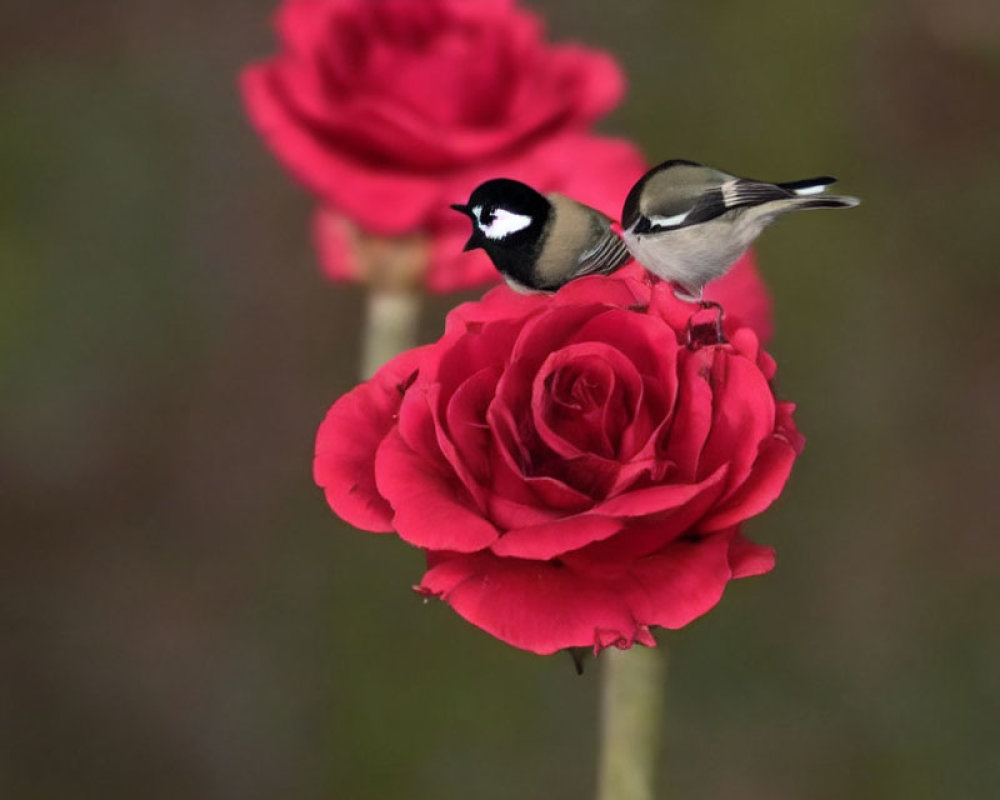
(631, 211)
(508, 220)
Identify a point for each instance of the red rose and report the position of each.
(575, 473)
(391, 110)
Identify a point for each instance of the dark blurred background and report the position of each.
(182, 616)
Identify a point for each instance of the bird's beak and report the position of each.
(473, 242)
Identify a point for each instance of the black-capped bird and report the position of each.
(540, 242)
(688, 223)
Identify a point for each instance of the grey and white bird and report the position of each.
(540, 242)
(688, 223)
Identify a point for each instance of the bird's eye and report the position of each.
(489, 215)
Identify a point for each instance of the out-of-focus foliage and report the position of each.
(184, 617)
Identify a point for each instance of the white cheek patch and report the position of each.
(666, 222)
(504, 223)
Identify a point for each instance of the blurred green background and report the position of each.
(184, 617)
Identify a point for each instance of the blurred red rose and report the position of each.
(575, 473)
(391, 110)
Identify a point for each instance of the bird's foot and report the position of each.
(704, 334)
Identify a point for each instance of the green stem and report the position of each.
(390, 327)
(631, 711)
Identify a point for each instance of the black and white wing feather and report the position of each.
(679, 194)
(609, 254)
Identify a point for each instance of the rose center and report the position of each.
(578, 392)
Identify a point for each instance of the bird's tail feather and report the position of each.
(808, 186)
(826, 201)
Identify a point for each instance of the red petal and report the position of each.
(745, 297)
(465, 421)
(649, 344)
(645, 536)
(532, 605)
(680, 583)
(657, 499)
(747, 559)
(341, 179)
(334, 239)
(499, 303)
(597, 430)
(743, 418)
(550, 539)
(682, 442)
(761, 488)
(301, 24)
(432, 509)
(509, 461)
(544, 606)
(347, 441)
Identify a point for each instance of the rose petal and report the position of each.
(465, 421)
(432, 509)
(542, 606)
(499, 303)
(651, 414)
(606, 392)
(656, 499)
(346, 183)
(472, 347)
(415, 423)
(743, 415)
(680, 583)
(684, 436)
(533, 605)
(348, 96)
(649, 344)
(349, 437)
(513, 475)
(508, 514)
(644, 536)
(665, 304)
(602, 293)
(745, 297)
(336, 244)
(763, 486)
(550, 539)
(542, 334)
(747, 559)
(301, 24)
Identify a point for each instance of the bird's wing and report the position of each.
(605, 257)
(683, 194)
(747, 192)
(715, 200)
(678, 194)
(579, 242)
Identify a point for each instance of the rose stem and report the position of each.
(394, 268)
(390, 327)
(631, 710)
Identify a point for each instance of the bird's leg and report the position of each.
(699, 335)
(720, 312)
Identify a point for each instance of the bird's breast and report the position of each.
(693, 255)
